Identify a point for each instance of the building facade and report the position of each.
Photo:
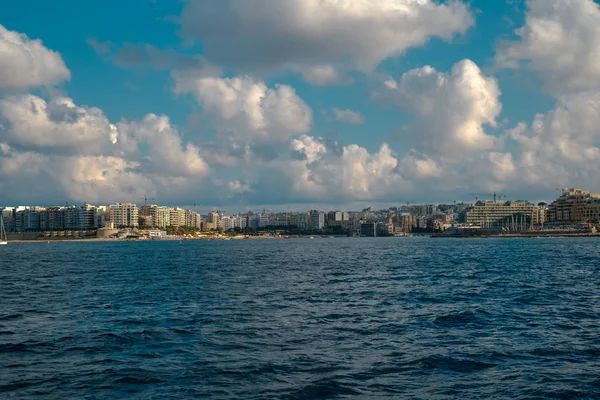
(317, 220)
(511, 215)
(575, 205)
(124, 215)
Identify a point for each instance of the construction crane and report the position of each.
(148, 198)
(494, 195)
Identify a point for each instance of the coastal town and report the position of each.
(574, 212)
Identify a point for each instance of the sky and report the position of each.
(298, 104)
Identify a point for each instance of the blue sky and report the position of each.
(126, 59)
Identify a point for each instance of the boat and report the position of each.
(3, 238)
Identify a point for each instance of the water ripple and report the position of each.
(299, 319)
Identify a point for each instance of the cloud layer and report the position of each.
(27, 63)
(317, 38)
(260, 141)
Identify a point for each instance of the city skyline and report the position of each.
(575, 212)
(297, 105)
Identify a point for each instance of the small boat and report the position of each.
(3, 238)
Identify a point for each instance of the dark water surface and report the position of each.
(301, 319)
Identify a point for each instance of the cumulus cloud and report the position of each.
(341, 173)
(348, 116)
(27, 63)
(450, 109)
(73, 152)
(56, 125)
(250, 118)
(248, 109)
(165, 155)
(317, 38)
(560, 42)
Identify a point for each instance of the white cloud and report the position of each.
(450, 109)
(344, 174)
(237, 186)
(100, 179)
(321, 75)
(57, 125)
(560, 41)
(26, 63)
(252, 120)
(71, 152)
(248, 109)
(318, 37)
(165, 155)
(348, 116)
(414, 167)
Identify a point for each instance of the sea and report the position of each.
(328, 318)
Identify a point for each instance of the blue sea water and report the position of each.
(301, 319)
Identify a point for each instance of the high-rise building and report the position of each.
(177, 216)
(513, 215)
(240, 221)
(368, 229)
(124, 215)
(7, 216)
(161, 217)
(192, 219)
(575, 205)
(317, 220)
(408, 223)
(87, 217)
(302, 221)
(27, 219)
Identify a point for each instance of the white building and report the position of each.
(192, 219)
(177, 216)
(302, 221)
(317, 219)
(161, 217)
(240, 221)
(226, 223)
(124, 215)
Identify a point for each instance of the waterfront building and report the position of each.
(53, 220)
(317, 220)
(302, 222)
(87, 217)
(575, 205)
(512, 215)
(423, 210)
(124, 215)
(102, 216)
(253, 221)
(368, 229)
(177, 216)
(215, 219)
(278, 220)
(226, 223)
(7, 216)
(27, 219)
(161, 216)
(71, 217)
(335, 218)
(408, 223)
(192, 219)
(421, 222)
(240, 221)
